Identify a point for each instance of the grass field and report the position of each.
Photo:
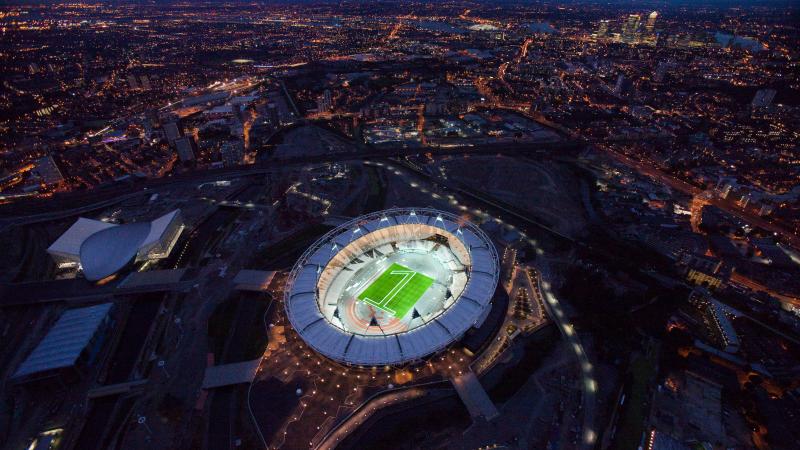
(396, 290)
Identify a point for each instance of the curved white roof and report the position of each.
(69, 243)
(104, 248)
(308, 277)
(109, 250)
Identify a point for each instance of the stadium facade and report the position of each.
(392, 287)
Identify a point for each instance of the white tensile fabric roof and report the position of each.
(65, 341)
(350, 348)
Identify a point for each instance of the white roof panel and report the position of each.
(159, 226)
(70, 242)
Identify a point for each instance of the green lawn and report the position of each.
(396, 290)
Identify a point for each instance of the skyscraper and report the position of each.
(325, 102)
(145, 82)
(132, 82)
(630, 28)
(651, 22)
(272, 115)
(602, 29)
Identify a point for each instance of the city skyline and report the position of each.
(395, 224)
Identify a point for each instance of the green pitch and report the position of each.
(396, 290)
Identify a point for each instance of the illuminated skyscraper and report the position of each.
(630, 27)
(145, 82)
(622, 86)
(132, 82)
(651, 22)
(602, 29)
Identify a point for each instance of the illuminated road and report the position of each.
(588, 383)
(689, 189)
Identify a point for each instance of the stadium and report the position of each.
(392, 287)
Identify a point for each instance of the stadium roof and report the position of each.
(352, 348)
(106, 252)
(104, 248)
(70, 242)
(159, 226)
(65, 341)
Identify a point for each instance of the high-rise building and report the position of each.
(630, 28)
(185, 147)
(602, 29)
(763, 98)
(232, 153)
(173, 132)
(651, 22)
